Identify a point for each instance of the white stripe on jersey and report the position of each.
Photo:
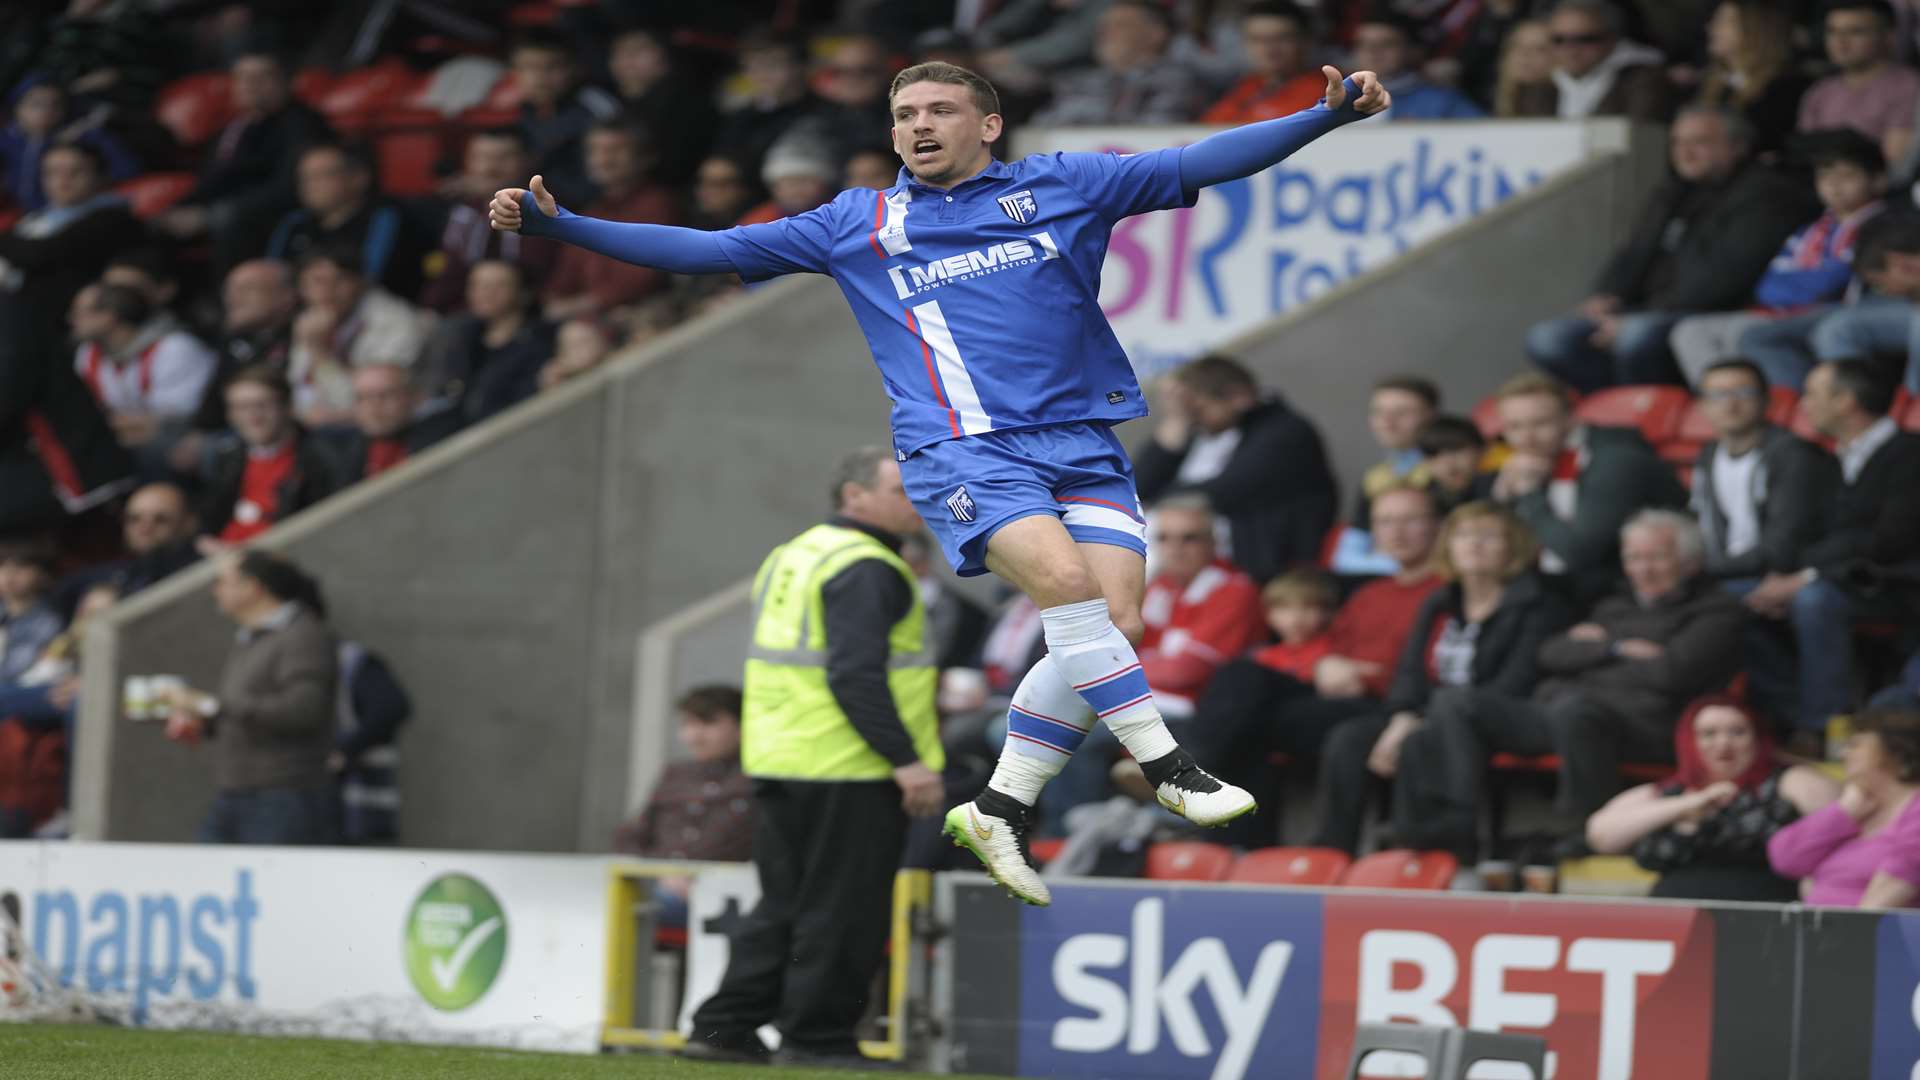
(893, 233)
(961, 396)
(1103, 517)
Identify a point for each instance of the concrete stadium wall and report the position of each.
(508, 574)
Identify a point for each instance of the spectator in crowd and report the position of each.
(388, 426)
(1278, 38)
(1871, 92)
(1483, 40)
(365, 759)
(956, 626)
(1905, 692)
(338, 205)
(148, 378)
(701, 807)
(1024, 40)
(27, 620)
(854, 73)
(1398, 407)
(1862, 561)
(800, 175)
(493, 159)
(1524, 81)
(1451, 449)
(257, 304)
(345, 321)
(588, 284)
(725, 192)
(779, 103)
(273, 713)
(1705, 829)
(1389, 46)
(111, 55)
(1813, 268)
(273, 471)
(1882, 325)
(1859, 850)
(1250, 710)
(1613, 689)
(58, 456)
(1480, 630)
(51, 253)
(1699, 244)
(1596, 71)
(490, 356)
(40, 122)
(580, 346)
(1750, 68)
(1759, 493)
(150, 272)
(876, 169)
(1134, 79)
(158, 527)
(1200, 612)
(247, 179)
(1260, 465)
(1575, 484)
(556, 109)
(1299, 607)
(675, 109)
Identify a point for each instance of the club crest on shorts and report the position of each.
(960, 504)
(1020, 206)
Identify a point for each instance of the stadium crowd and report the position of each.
(238, 274)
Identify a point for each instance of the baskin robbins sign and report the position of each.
(1179, 282)
(425, 946)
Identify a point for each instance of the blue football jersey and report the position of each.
(980, 304)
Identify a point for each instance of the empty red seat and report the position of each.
(153, 193)
(196, 107)
(1655, 410)
(353, 98)
(1551, 763)
(407, 159)
(1403, 870)
(1188, 861)
(1291, 866)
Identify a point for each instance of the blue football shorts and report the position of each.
(967, 488)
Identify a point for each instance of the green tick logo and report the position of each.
(456, 942)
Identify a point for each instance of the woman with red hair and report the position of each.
(1705, 829)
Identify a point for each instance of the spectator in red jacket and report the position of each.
(1299, 606)
(618, 161)
(494, 158)
(1279, 39)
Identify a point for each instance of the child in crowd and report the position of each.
(1451, 450)
(1299, 606)
(27, 621)
(579, 348)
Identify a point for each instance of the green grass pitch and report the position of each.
(86, 1052)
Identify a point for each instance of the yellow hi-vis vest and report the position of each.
(791, 727)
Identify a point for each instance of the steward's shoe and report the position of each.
(1185, 788)
(1001, 846)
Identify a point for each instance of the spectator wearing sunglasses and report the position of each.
(1596, 72)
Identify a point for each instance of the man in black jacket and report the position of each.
(49, 255)
(1260, 464)
(1758, 491)
(272, 471)
(1699, 245)
(57, 451)
(1867, 562)
(387, 425)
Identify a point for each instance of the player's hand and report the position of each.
(922, 792)
(504, 211)
(1373, 96)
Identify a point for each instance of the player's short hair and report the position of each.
(266, 375)
(1446, 434)
(1216, 376)
(985, 97)
(1869, 388)
(860, 467)
(1741, 364)
(1308, 586)
(1423, 388)
(712, 702)
(1523, 548)
(1530, 383)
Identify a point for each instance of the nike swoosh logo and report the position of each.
(985, 833)
(446, 971)
(1177, 804)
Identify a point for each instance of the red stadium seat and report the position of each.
(1188, 861)
(1783, 402)
(356, 96)
(195, 108)
(1291, 866)
(1045, 851)
(1402, 870)
(1655, 410)
(151, 194)
(407, 158)
(1694, 427)
(1906, 410)
(1486, 416)
(312, 84)
(1546, 763)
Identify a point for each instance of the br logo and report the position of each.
(455, 941)
(961, 504)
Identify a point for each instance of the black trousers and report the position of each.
(805, 958)
(1445, 763)
(1341, 803)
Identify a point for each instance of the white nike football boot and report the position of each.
(1001, 847)
(1196, 795)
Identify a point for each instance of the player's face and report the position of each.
(940, 134)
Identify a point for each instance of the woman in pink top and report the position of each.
(1864, 849)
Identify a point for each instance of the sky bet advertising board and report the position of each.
(423, 946)
(1218, 982)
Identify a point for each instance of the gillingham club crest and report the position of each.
(1020, 206)
(961, 504)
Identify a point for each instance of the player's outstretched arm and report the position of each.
(661, 247)
(1245, 150)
